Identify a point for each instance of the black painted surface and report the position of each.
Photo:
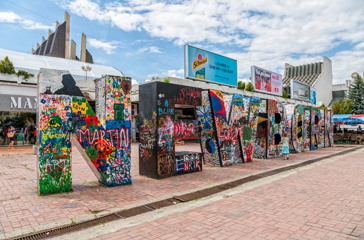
(160, 98)
(147, 130)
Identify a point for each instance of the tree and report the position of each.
(323, 106)
(249, 87)
(6, 66)
(285, 94)
(356, 95)
(241, 85)
(25, 74)
(342, 106)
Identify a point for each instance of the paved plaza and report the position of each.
(323, 202)
(22, 210)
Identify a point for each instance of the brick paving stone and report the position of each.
(21, 207)
(322, 194)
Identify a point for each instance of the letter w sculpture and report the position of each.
(103, 138)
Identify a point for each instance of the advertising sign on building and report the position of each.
(211, 67)
(18, 103)
(266, 81)
(313, 95)
(300, 91)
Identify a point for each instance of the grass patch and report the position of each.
(95, 212)
(26, 167)
(14, 198)
(196, 199)
(73, 222)
(102, 223)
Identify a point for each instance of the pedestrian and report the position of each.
(359, 129)
(25, 133)
(285, 147)
(11, 133)
(35, 135)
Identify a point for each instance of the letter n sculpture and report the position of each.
(103, 138)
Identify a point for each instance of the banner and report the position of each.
(266, 81)
(210, 67)
(300, 91)
(313, 95)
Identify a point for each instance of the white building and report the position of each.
(317, 75)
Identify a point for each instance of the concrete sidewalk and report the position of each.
(324, 201)
(23, 211)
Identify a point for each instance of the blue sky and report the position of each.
(145, 38)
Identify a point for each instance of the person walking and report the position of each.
(285, 146)
(11, 133)
(25, 133)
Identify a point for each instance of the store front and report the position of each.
(18, 111)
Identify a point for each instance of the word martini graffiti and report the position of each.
(65, 116)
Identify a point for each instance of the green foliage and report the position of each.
(241, 85)
(285, 94)
(25, 74)
(356, 95)
(342, 106)
(6, 66)
(166, 80)
(323, 106)
(249, 87)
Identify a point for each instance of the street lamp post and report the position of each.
(86, 69)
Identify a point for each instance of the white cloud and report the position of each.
(11, 17)
(108, 47)
(133, 82)
(268, 33)
(246, 80)
(174, 73)
(150, 49)
(344, 63)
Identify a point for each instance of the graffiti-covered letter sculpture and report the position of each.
(103, 138)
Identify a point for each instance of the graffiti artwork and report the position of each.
(231, 128)
(315, 128)
(299, 128)
(185, 129)
(188, 162)
(208, 137)
(65, 114)
(321, 140)
(275, 128)
(307, 119)
(260, 144)
(159, 130)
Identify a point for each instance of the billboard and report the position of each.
(300, 91)
(313, 95)
(210, 67)
(266, 81)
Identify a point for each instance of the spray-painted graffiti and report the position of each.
(299, 128)
(307, 119)
(185, 129)
(157, 155)
(260, 144)
(275, 128)
(147, 137)
(188, 162)
(321, 141)
(65, 114)
(315, 128)
(208, 137)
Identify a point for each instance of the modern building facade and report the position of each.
(58, 44)
(317, 75)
